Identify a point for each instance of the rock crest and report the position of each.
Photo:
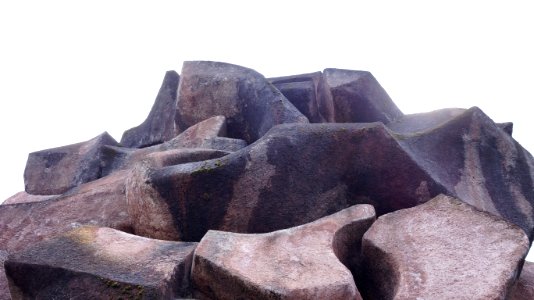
(281, 208)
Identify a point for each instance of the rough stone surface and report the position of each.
(358, 97)
(120, 158)
(508, 127)
(443, 249)
(225, 149)
(101, 202)
(524, 287)
(249, 102)
(23, 197)
(224, 144)
(304, 91)
(304, 262)
(476, 161)
(4, 288)
(55, 171)
(101, 263)
(159, 125)
(295, 174)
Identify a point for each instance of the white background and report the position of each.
(70, 70)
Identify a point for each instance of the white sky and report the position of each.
(70, 70)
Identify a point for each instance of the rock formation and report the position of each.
(441, 250)
(303, 262)
(279, 181)
(101, 263)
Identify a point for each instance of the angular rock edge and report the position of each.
(99, 262)
(441, 250)
(304, 262)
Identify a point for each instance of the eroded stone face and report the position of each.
(295, 174)
(358, 97)
(523, 289)
(250, 103)
(474, 159)
(23, 197)
(304, 262)
(101, 202)
(305, 92)
(159, 125)
(180, 149)
(443, 249)
(4, 288)
(55, 171)
(95, 262)
(224, 149)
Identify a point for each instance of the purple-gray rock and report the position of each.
(55, 171)
(508, 127)
(443, 249)
(4, 288)
(101, 202)
(224, 144)
(186, 144)
(250, 103)
(159, 125)
(304, 91)
(101, 263)
(295, 174)
(304, 262)
(476, 161)
(523, 289)
(358, 97)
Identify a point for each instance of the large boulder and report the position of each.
(357, 97)
(295, 174)
(159, 125)
(180, 149)
(101, 263)
(250, 103)
(523, 289)
(55, 171)
(474, 159)
(304, 262)
(101, 202)
(443, 249)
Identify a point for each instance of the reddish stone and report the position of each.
(23, 197)
(101, 202)
(304, 262)
(249, 102)
(159, 125)
(120, 158)
(55, 171)
(295, 174)
(474, 159)
(101, 263)
(524, 286)
(4, 289)
(443, 249)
